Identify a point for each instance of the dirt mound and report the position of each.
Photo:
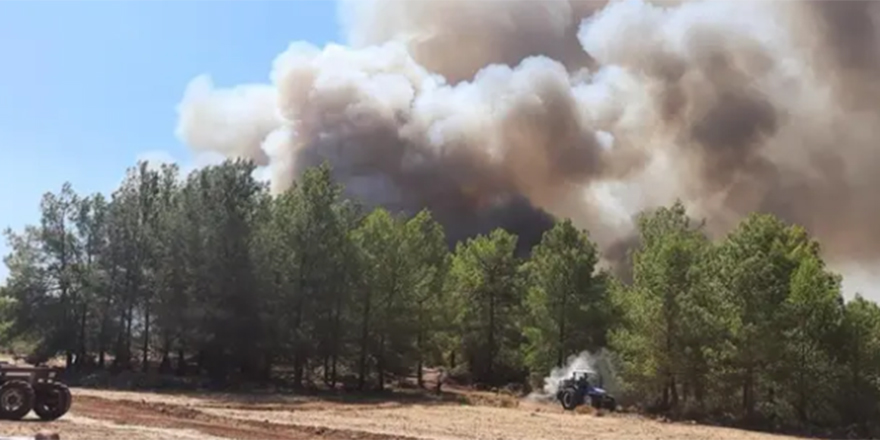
(173, 416)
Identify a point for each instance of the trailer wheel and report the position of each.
(53, 401)
(16, 400)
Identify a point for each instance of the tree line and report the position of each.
(208, 274)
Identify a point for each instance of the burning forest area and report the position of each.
(481, 220)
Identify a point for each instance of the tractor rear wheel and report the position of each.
(53, 401)
(569, 399)
(610, 404)
(16, 400)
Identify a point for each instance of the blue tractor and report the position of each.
(575, 391)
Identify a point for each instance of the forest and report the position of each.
(210, 275)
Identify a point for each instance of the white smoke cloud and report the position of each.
(591, 110)
(232, 122)
(598, 364)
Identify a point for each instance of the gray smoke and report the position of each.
(600, 366)
(502, 112)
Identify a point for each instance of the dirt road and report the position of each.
(100, 415)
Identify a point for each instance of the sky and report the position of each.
(87, 88)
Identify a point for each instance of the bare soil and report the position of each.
(99, 415)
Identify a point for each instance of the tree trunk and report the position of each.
(560, 350)
(420, 379)
(298, 355)
(670, 378)
(666, 396)
(181, 362)
(748, 400)
(165, 365)
(802, 385)
(119, 344)
(326, 369)
(69, 334)
(65, 297)
(857, 413)
(334, 348)
(365, 337)
(266, 372)
(381, 363)
(128, 324)
(491, 337)
(81, 356)
(145, 363)
(102, 337)
(674, 388)
(699, 392)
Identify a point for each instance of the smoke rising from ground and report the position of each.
(501, 113)
(598, 364)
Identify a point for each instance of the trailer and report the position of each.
(26, 388)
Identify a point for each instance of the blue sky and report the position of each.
(86, 87)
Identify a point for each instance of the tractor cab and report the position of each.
(584, 376)
(585, 380)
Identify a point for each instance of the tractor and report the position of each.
(575, 391)
(26, 388)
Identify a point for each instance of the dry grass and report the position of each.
(485, 398)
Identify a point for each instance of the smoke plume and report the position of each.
(599, 364)
(504, 113)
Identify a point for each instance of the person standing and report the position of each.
(441, 378)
